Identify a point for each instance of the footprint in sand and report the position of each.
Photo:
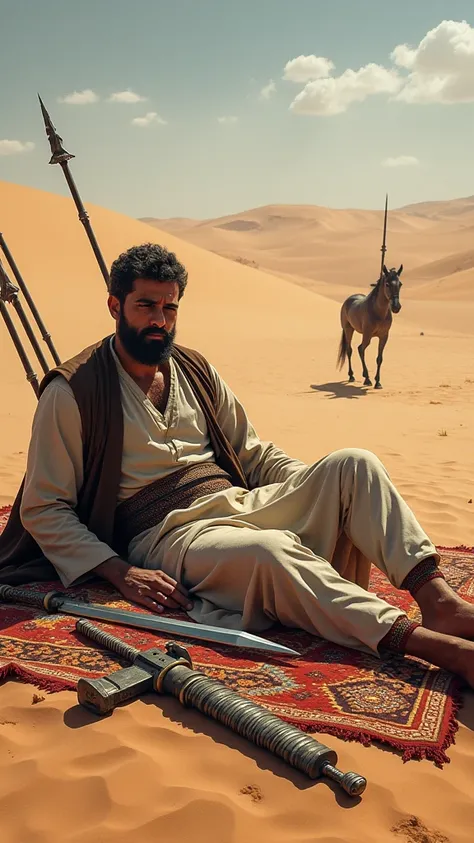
(414, 831)
(253, 791)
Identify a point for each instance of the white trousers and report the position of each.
(297, 552)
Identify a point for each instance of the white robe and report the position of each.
(296, 547)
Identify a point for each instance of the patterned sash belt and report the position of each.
(148, 507)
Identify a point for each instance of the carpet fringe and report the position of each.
(43, 683)
(421, 752)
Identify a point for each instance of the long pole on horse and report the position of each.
(61, 157)
(383, 248)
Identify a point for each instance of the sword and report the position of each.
(55, 601)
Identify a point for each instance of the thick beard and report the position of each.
(143, 350)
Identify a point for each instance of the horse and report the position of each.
(371, 316)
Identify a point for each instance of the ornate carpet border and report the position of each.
(443, 697)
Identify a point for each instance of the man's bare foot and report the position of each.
(442, 610)
(446, 651)
(452, 617)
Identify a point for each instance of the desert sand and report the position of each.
(272, 329)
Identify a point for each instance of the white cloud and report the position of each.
(150, 118)
(307, 68)
(80, 97)
(441, 66)
(439, 70)
(227, 121)
(268, 90)
(401, 161)
(15, 147)
(126, 97)
(334, 94)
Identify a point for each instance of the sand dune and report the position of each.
(442, 209)
(147, 774)
(334, 251)
(454, 286)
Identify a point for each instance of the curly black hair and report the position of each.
(149, 261)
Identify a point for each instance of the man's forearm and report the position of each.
(67, 543)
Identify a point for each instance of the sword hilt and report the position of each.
(102, 695)
(49, 602)
(147, 669)
(105, 639)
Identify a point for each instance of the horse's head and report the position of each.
(391, 285)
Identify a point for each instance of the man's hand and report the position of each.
(153, 589)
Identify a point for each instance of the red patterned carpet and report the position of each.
(404, 703)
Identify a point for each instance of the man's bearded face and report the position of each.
(141, 346)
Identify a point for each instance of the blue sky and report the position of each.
(216, 144)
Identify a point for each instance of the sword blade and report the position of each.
(186, 629)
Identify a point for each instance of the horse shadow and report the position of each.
(340, 390)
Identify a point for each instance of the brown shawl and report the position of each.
(94, 380)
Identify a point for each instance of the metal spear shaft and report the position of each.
(60, 156)
(10, 295)
(16, 272)
(31, 375)
(383, 248)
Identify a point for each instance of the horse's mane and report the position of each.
(375, 288)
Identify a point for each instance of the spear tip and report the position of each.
(59, 154)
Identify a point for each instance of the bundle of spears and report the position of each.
(172, 671)
(9, 292)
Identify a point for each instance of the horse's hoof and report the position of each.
(352, 379)
(378, 386)
(367, 382)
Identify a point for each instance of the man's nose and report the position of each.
(157, 318)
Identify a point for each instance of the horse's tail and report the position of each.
(341, 357)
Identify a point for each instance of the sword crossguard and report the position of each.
(146, 673)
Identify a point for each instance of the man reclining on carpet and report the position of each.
(143, 469)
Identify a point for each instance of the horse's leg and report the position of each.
(349, 332)
(366, 338)
(382, 344)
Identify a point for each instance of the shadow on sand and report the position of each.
(77, 717)
(341, 390)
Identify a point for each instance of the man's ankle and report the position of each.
(395, 641)
(425, 572)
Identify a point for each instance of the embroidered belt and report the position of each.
(148, 507)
